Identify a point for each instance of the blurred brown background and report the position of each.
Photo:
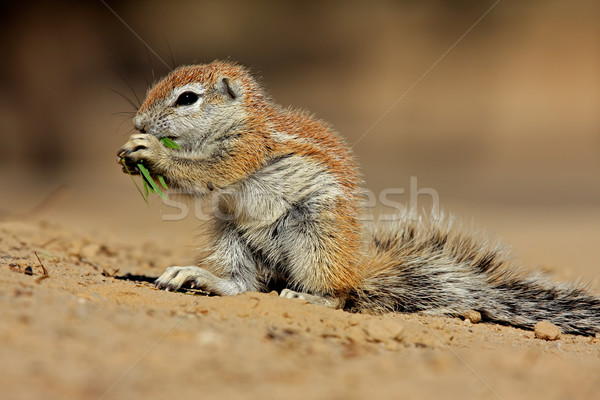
(506, 127)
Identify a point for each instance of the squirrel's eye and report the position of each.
(186, 98)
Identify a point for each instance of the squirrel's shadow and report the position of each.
(141, 279)
(135, 278)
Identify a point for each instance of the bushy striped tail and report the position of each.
(429, 266)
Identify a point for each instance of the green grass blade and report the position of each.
(135, 183)
(148, 184)
(169, 143)
(146, 177)
(162, 181)
(151, 183)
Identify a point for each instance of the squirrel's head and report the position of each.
(195, 103)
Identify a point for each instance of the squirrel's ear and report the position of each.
(228, 88)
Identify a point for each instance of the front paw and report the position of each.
(175, 277)
(141, 148)
(198, 278)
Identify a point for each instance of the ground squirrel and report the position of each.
(289, 205)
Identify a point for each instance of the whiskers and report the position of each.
(133, 100)
(133, 104)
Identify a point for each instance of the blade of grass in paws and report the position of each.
(169, 143)
(147, 186)
(135, 183)
(162, 181)
(150, 186)
(149, 180)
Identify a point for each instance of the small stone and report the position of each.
(473, 316)
(546, 331)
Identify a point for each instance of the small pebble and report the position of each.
(473, 316)
(546, 331)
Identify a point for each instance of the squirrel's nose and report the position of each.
(138, 124)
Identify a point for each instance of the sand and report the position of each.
(95, 328)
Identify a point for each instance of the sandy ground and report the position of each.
(95, 328)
